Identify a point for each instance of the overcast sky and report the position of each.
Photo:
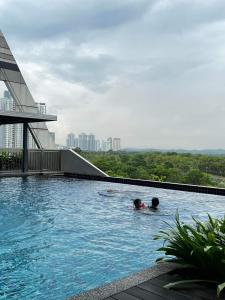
(149, 71)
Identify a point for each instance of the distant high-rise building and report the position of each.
(42, 110)
(6, 131)
(18, 136)
(52, 134)
(109, 144)
(116, 144)
(87, 142)
(97, 145)
(104, 146)
(31, 142)
(91, 142)
(6, 94)
(41, 107)
(10, 135)
(76, 142)
(70, 141)
(83, 141)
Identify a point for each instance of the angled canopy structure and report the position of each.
(14, 117)
(14, 81)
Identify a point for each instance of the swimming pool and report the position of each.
(59, 236)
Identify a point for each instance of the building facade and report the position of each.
(83, 141)
(52, 134)
(97, 145)
(88, 142)
(41, 107)
(42, 110)
(11, 134)
(70, 141)
(116, 144)
(109, 144)
(91, 146)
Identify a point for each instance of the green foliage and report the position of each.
(171, 166)
(10, 160)
(196, 177)
(201, 245)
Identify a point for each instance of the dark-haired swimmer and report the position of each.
(138, 204)
(155, 203)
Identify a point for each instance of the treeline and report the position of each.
(170, 166)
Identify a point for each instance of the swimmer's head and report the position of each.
(155, 202)
(137, 203)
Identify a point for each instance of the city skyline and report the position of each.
(151, 71)
(89, 142)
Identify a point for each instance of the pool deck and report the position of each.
(148, 285)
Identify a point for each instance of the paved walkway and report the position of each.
(149, 285)
(153, 290)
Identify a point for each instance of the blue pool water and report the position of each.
(59, 237)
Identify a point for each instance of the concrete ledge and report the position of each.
(72, 162)
(126, 283)
(30, 173)
(156, 184)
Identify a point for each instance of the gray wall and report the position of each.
(71, 162)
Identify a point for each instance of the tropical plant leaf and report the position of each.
(187, 281)
(201, 245)
(220, 287)
(160, 259)
(207, 248)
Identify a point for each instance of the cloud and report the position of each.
(38, 20)
(181, 16)
(150, 72)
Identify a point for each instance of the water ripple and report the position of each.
(59, 236)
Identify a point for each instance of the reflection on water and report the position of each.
(62, 236)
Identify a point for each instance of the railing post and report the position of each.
(42, 159)
(25, 148)
(60, 160)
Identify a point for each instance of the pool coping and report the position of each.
(156, 184)
(118, 286)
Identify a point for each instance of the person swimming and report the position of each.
(138, 204)
(155, 203)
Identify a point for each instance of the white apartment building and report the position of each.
(88, 142)
(91, 146)
(41, 107)
(52, 135)
(83, 141)
(70, 141)
(10, 134)
(116, 144)
(104, 146)
(97, 145)
(42, 110)
(109, 144)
